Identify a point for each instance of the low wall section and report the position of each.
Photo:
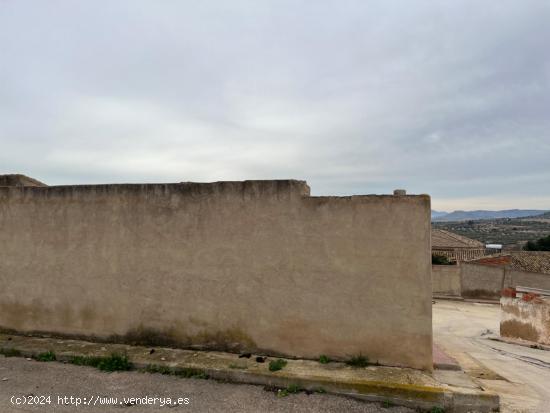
(446, 280)
(525, 319)
(529, 279)
(482, 281)
(486, 281)
(255, 265)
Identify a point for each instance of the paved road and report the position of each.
(29, 377)
(522, 374)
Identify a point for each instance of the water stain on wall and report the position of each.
(514, 328)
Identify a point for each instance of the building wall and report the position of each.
(528, 320)
(446, 280)
(256, 265)
(529, 279)
(482, 281)
(486, 281)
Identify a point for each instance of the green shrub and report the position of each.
(441, 260)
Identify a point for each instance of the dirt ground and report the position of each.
(22, 377)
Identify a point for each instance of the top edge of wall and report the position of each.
(265, 182)
(424, 196)
(294, 186)
(259, 187)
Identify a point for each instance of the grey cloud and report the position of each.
(446, 98)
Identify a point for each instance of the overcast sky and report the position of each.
(449, 98)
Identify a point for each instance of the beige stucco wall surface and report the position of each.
(529, 320)
(256, 265)
(529, 279)
(482, 281)
(446, 280)
(487, 281)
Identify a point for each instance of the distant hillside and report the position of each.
(438, 214)
(481, 214)
(512, 233)
(546, 215)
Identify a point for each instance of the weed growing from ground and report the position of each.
(114, 362)
(47, 356)
(237, 366)
(185, 372)
(155, 368)
(85, 361)
(358, 361)
(293, 389)
(386, 404)
(10, 352)
(190, 373)
(275, 365)
(323, 359)
(282, 393)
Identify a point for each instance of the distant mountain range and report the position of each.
(546, 215)
(482, 214)
(438, 214)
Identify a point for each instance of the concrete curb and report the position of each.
(399, 386)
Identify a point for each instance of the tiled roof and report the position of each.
(446, 239)
(530, 261)
(494, 260)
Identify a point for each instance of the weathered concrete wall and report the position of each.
(482, 281)
(486, 281)
(529, 279)
(256, 265)
(529, 320)
(446, 280)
